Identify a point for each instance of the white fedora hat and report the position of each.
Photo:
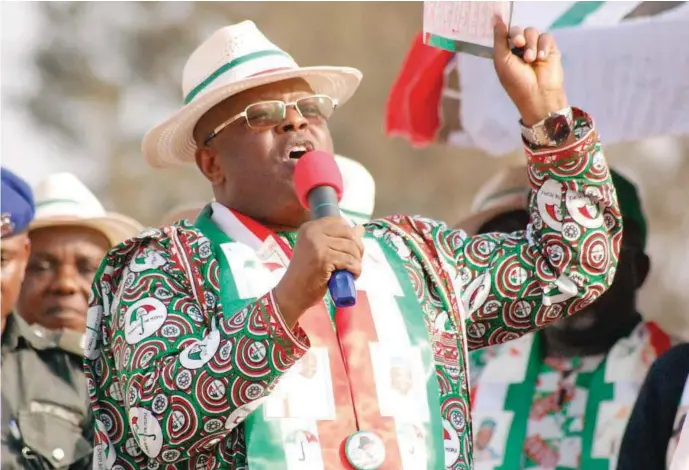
(358, 195)
(63, 200)
(235, 58)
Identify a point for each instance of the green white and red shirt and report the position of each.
(189, 363)
(557, 413)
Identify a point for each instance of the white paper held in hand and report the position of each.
(463, 26)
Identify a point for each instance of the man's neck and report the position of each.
(279, 228)
(565, 343)
(283, 226)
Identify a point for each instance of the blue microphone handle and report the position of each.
(323, 203)
(342, 289)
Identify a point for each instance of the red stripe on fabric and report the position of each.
(318, 327)
(412, 110)
(356, 331)
(659, 339)
(351, 367)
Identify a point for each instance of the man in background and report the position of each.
(46, 422)
(563, 395)
(69, 237)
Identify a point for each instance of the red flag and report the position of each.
(413, 106)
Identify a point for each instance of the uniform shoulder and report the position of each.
(43, 339)
(71, 342)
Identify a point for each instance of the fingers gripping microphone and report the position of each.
(318, 182)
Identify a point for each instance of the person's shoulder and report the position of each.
(673, 360)
(155, 242)
(413, 225)
(162, 235)
(670, 371)
(402, 220)
(426, 238)
(52, 345)
(71, 342)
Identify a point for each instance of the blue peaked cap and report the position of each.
(17, 204)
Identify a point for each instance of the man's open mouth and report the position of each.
(299, 149)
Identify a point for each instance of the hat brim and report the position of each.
(115, 227)
(171, 143)
(473, 223)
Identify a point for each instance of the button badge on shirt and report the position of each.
(364, 450)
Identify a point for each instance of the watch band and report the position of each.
(553, 131)
(584, 142)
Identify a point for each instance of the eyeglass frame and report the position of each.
(214, 133)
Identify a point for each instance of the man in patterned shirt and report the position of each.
(248, 280)
(560, 398)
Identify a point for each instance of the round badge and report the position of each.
(365, 451)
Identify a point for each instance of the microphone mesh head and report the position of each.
(316, 168)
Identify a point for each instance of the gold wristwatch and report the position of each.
(553, 131)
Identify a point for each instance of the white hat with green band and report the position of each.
(62, 200)
(234, 59)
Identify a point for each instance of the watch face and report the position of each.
(557, 128)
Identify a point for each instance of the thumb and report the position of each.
(501, 42)
(359, 230)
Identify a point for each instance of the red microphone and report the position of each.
(318, 183)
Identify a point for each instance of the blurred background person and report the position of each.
(17, 212)
(46, 422)
(69, 236)
(660, 412)
(569, 388)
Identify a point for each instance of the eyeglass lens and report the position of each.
(271, 113)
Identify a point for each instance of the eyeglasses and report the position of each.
(268, 114)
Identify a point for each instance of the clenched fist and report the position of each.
(535, 83)
(323, 246)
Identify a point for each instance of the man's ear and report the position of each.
(207, 160)
(642, 266)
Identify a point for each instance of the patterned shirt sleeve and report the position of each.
(507, 285)
(178, 373)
